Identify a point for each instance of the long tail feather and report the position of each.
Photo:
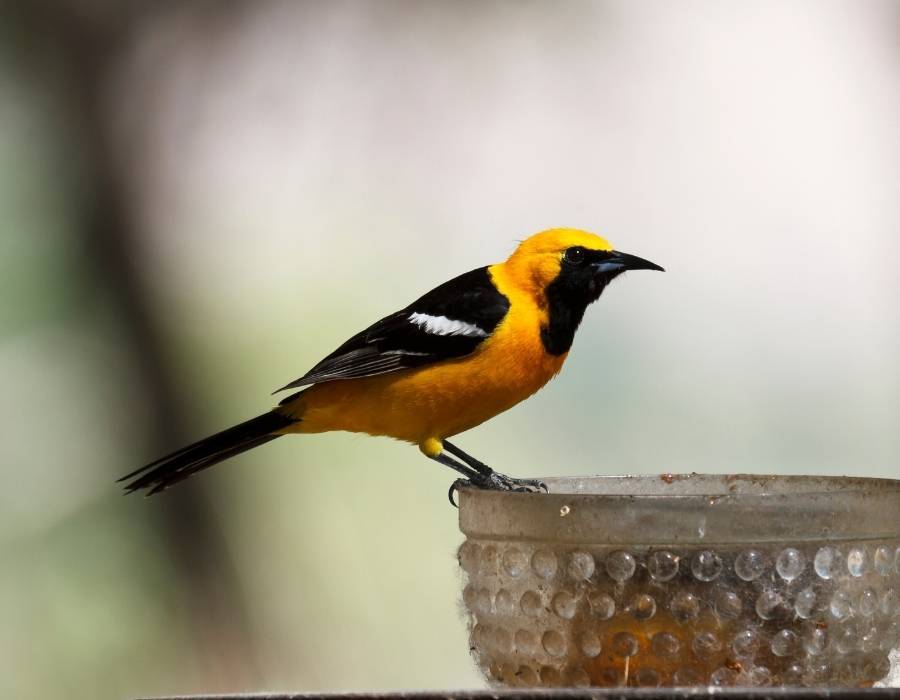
(178, 466)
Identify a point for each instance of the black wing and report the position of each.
(449, 321)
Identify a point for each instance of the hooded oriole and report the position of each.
(464, 352)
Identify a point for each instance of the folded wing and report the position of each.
(448, 322)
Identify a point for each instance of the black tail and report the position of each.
(178, 466)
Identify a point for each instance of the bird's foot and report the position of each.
(495, 481)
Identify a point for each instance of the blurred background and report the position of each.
(199, 200)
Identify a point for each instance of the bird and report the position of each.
(464, 352)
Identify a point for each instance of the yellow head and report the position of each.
(555, 240)
(564, 270)
(538, 259)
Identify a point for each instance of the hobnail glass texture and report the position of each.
(684, 581)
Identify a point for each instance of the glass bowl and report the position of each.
(741, 580)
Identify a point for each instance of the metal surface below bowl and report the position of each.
(699, 580)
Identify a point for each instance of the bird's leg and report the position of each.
(463, 469)
(468, 459)
(488, 478)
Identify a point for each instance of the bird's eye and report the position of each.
(575, 255)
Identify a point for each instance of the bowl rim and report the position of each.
(689, 509)
(670, 483)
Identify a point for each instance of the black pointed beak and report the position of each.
(620, 262)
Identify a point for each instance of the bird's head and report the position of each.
(577, 262)
(565, 270)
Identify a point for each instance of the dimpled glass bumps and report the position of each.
(684, 581)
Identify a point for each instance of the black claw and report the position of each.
(532, 485)
(454, 488)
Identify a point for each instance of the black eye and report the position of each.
(575, 255)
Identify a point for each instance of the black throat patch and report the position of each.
(565, 311)
(568, 296)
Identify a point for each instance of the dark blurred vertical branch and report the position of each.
(74, 48)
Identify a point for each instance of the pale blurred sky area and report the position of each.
(199, 200)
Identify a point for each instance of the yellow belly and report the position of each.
(440, 400)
